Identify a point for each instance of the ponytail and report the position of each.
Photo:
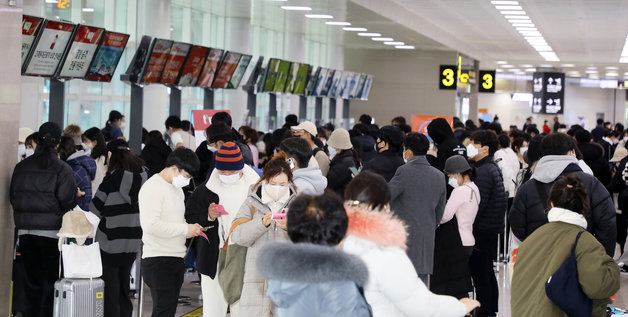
(43, 151)
(568, 192)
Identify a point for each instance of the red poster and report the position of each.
(227, 68)
(420, 123)
(106, 60)
(209, 69)
(202, 120)
(157, 61)
(178, 53)
(81, 52)
(193, 66)
(30, 26)
(49, 49)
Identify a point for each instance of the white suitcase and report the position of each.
(79, 298)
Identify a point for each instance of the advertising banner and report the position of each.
(302, 75)
(236, 78)
(106, 60)
(209, 69)
(84, 46)
(292, 77)
(420, 123)
(193, 66)
(30, 27)
(156, 61)
(178, 53)
(282, 76)
(202, 120)
(364, 95)
(49, 50)
(228, 66)
(272, 72)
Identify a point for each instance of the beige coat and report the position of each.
(253, 234)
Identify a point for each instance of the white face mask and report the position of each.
(29, 152)
(324, 142)
(21, 150)
(291, 163)
(88, 146)
(180, 181)
(332, 153)
(211, 148)
(472, 151)
(229, 179)
(122, 125)
(626, 139)
(275, 192)
(523, 150)
(616, 141)
(453, 182)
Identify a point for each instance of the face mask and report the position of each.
(324, 142)
(211, 148)
(453, 182)
(21, 150)
(472, 151)
(291, 163)
(229, 179)
(275, 192)
(523, 150)
(626, 139)
(332, 153)
(29, 152)
(88, 146)
(180, 181)
(616, 141)
(122, 125)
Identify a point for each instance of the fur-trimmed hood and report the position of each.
(383, 229)
(309, 263)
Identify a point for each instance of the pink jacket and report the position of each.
(463, 202)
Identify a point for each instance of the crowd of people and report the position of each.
(309, 221)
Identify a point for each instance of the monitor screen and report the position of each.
(311, 83)
(107, 56)
(352, 83)
(367, 87)
(193, 66)
(178, 54)
(255, 73)
(209, 69)
(344, 85)
(226, 69)
(81, 53)
(46, 56)
(282, 76)
(328, 80)
(272, 70)
(333, 91)
(236, 78)
(31, 27)
(134, 70)
(303, 73)
(292, 77)
(156, 61)
(357, 89)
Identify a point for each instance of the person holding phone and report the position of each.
(270, 195)
(342, 159)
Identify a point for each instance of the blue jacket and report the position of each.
(313, 280)
(84, 168)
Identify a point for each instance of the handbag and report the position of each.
(81, 261)
(231, 261)
(564, 290)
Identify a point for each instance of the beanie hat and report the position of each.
(229, 158)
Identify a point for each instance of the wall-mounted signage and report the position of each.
(82, 50)
(31, 27)
(46, 56)
(448, 77)
(487, 81)
(548, 91)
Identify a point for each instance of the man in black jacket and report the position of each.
(489, 221)
(217, 134)
(528, 209)
(598, 132)
(388, 159)
(440, 131)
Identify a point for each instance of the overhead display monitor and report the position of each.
(548, 93)
(312, 80)
(272, 70)
(157, 59)
(236, 78)
(107, 56)
(336, 79)
(193, 66)
(134, 70)
(226, 69)
(303, 74)
(178, 53)
(367, 88)
(209, 69)
(359, 85)
(328, 81)
(44, 59)
(345, 83)
(282, 76)
(84, 45)
(292, 77)
(255, 73)
(31, 28)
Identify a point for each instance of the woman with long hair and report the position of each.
(84, 168)
(114, 125)
(94, 145)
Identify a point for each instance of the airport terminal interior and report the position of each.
(526, 70)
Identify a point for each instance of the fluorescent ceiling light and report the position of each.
(523, 24)
(546, 65)
(537, 42)
(516, 12)
(505, 2)
(337, 23)
(394, 43)
(623, 60)
(498, 7)
(88, 9)
(568, 65)
(526, 28)
(383, 39)
(514, 70)
(518, 17)
(404, 47)
(526, 65)
(355, 29)
(507, 66)
(542, 48)
(319, 16)
(502, 62)
(611, 67)
(519, 20)
(530, 33)
(612, 74)
(499, 70)
(590, 71)
(296, 8)
(522, 96)
(550, 56)
(530, 70)
(370, 34)
(52, 1)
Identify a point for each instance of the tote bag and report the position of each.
(81, 261)
(231, 261)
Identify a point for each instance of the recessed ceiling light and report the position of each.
(591, 71)
(337, 23)
(519, 20)
(319, 16)
(612, 74)
(498, 7)
(514, 70)
(404, 47)
(530, 70)
(526, 65)
(355, 29)
(518, 17)
(505, 2)
(567, 65)
(513, 12)
(507, 66)
(523, 24)
(611, 67)
(370, 34)
(526, 28)
(383, 39)
(542, 48)
(502, 62)
(88, 9)
(499, 70)
(296, 8)
(394, 43)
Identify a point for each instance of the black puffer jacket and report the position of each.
(196, 212)
(40, 197)
(365, 145)
(493, 197)
(440, 131)
(385, 164)
(154, 155)
(339, 174)
(593, 155)
(528, 209)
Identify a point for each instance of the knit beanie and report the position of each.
(229, 158)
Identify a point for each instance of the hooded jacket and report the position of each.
(528, 209)
(594, 157)
(309, 181)
(84, 168)
(339, 174)
(393, 287)
(154, 155)
(440, 131)
(313, 280)
(365, 145)
(384, 164)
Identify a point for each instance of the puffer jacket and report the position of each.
(309, 181)
(593, 155)
(493, 197)
(440, 131)
(40, 197)
(84, 168)
(155, 154)
(365, 145)
(313, 280)
(528, 209)
(339, 174)
(393, 287)
(254, 235)
(384, 164)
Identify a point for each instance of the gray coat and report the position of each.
(253, 235)
(313, 280)
(418, 198)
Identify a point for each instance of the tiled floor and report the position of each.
(194, 292)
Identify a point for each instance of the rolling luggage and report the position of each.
(79, 298)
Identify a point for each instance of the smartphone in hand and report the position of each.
(280, 215)
(354, 171)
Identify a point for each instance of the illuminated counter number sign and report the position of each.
(487, 81)
(448, 74)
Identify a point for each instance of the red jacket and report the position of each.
(546, 129)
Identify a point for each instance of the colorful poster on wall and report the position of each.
(420, 123)
(49, 49)
(30, 28)
(193, 66)
(178, 53)
(156, 61)
(236, 78)
(82, 50)
(106, 60)
(209, 69)
(202, 120)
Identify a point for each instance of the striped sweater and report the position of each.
(116, 204)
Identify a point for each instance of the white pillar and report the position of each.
(238, 39)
